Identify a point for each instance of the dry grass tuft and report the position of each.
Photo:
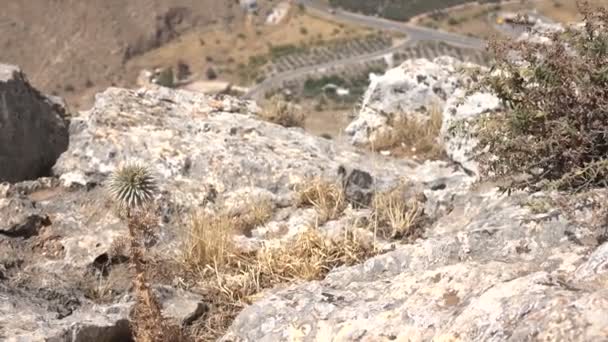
(210, 240)
(311, 256)
(256, 214)
(413, 138)
(234, 282)
(396, 216)
(326, 197)
(283, 113)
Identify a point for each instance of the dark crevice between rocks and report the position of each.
(64, 304)
(104, 262)
(120, 332)
(27, 229)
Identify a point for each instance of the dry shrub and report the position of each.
(412, 137)
(210, 240)
(309, 257)
(555, 128)
(283, 113)
(146, 319)
(147, 322)
(396, 216)
(326, 197)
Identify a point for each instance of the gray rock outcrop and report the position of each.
(409, 90)
(33, 128)
(487, 266)
(490, 270)
(58, 233)
(415, 88)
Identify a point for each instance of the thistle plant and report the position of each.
(132, 188)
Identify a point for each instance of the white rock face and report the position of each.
(409, 89)
(456, 130)
(490, 270)
(540, 31)
(207, 153)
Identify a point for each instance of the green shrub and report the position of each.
(554, 130)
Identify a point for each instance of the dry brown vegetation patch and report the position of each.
(554, 131)
(411, 137)
(397, 214)
(282, 112)
(326, 197)
(230, 286)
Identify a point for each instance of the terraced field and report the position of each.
(351, 74)
(329, 52)
(398, 10)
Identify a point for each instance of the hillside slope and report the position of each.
(70, 46)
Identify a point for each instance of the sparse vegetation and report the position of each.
(132, 187)
(231, 278)
(282, 112)
(398, 214)
(554, 132)
(412, 137)
(326, 197)
(210, 240)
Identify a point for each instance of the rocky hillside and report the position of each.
(69, 47)
(409, 251)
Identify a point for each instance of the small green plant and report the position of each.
(554, 130)
(132, 186)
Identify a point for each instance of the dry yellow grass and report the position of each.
(210, 241)
(283, 113)
(397, 217)
(413, 138)
(310, 256)
(209, 244)
(230, 278)
(326, 197)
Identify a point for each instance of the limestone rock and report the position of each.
(457, 129)
(205, 151)
(33, 128)
(409, 90)
(488, 271)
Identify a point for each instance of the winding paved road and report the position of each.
(414, 35)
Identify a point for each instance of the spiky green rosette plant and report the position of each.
(132, 188)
